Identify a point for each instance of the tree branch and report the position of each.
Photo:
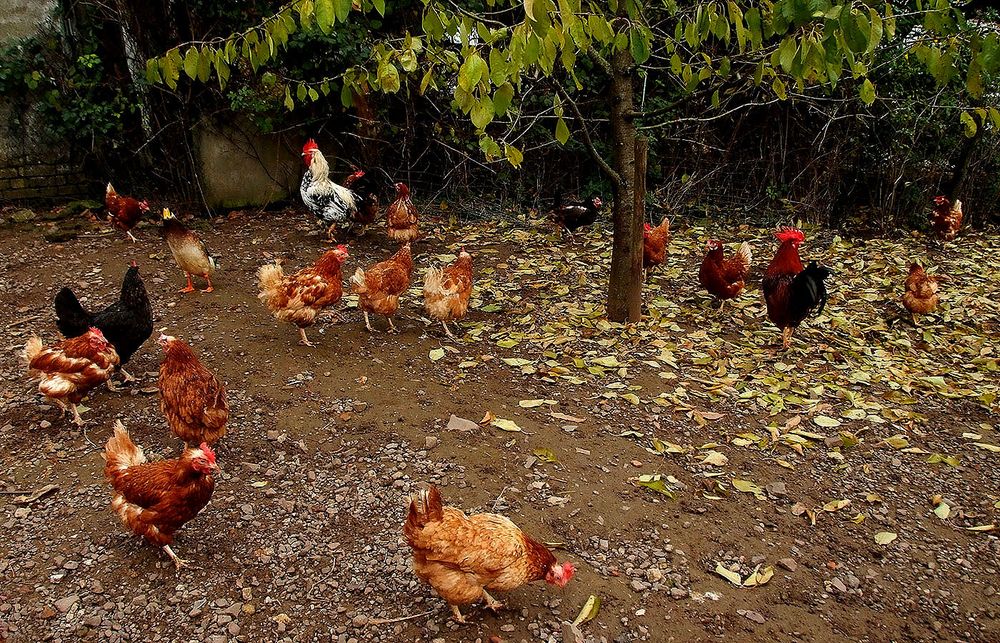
(601, 61)
(587, 141)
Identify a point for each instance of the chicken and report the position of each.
(379, 289)
(123, 211)
(447, 290)
(947, 218)
(66, 371)
(654, 244)
(724, 278)
(127, 323)
(366, 194)
(333, 204)
(189, 252)
(571, 216)
(191, 397)
(921, 296)
(300, 298)
(462, 556)
(791, 292)
(155, 499)
(401, 216)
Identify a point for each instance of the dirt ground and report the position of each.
(854, 478)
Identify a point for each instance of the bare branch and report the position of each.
(587, 141)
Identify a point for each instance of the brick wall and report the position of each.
(34, 181)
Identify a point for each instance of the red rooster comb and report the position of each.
(209, 454)
(647, 227)
(310, 146)
(342, 248)
(94, 330)
(790, 234)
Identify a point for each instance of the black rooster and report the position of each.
(127, 323)
(571, 216)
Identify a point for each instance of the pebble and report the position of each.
(64, 604)
(788, 563)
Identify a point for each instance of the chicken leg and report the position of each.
(491, 602)
(126, 376)
(178, 562)
(190, 286)
(305, 340)
(209, 280)
(448, 330)
(457, 614)
(368, 323)
(392, 326)
(786, 337)
(77, 420)
(130, 236)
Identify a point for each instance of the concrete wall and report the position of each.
(22, 18)
(239, 167)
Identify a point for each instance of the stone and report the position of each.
(64, 604)
(789, 564)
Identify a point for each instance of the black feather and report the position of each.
(808, 291)
(127, 323)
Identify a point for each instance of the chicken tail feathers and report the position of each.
(71, 317)
(358, 281)
(31, 349)
(808, 291)
(120, 453)
(269, 279)
(743, 258)
(425, 507)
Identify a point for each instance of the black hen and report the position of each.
(573, 216)
(127, 323)
(808, 291)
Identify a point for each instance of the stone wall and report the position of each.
(29, 169)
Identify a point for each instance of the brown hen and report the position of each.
(379, 287)
(191, 397)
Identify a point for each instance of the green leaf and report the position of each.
(884, 537)
(867, 92)
(482, 113)
(969, 123)
(589, 610)
(638, 45)
(152, 71)
(436, 354)
(562, 131)
(379, 6)
(502, 97)
(779, 88)
(514, 155)
(388, 77)
(325, 15)
(342, 9)
(191, 60)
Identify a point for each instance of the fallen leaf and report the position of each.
(884, 537)
(436, 354)
(836, 505)
(589, 610)
(567, 418)
(506, 425)
(989, 527)
(653, 482)
(826, 421)
(530, 404)
(989, 447)
(942, 511)
(715, 458)
(732, 577)
(545, 455)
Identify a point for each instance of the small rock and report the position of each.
(838, 585)
(64, 604)
(789, 564)
(430, 442)
(756, 617)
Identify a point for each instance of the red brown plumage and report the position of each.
(920, 296)
(401, 216)
(654, 244)
(790, 291)
(154, 499)
(463, 556)
(947, 218)
(447, 290)
(191, 398)
(124, 212)
(724, 278)
(66, 371)
(299, 298)
(379, 287)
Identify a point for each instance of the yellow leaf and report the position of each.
(942, 511)
(989, 527)
(732, 577)
(436, 354)
(545, 455)
(715, 459)
(989, 447)
(505, 425)
(884, 537)
(857, 520)
(836, 505)
(759, 576)
(530, 404)
(896, 441)
(826, 421)
(589, 611)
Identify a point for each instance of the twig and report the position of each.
(383, 621)
(22, 320)
(499, 498)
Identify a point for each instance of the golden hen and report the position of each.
(66, 371)
(191, 396)
(462, 556)
(301, 297)
(447, 290)
(379, 288)
(921, 294)
(154, 499)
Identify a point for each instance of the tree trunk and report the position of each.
(953, 187)
(625, 283)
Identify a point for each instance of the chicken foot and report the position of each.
(448, 330)
(208, 279)
(131, 236)
(304, 341)
(77, 420)
(178, 562)
(368, 323)
(786, 337)
(392, 326)
(126, 376)
(457, 614)
(491, 602)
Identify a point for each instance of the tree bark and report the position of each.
(625, 283)
(953, 188)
